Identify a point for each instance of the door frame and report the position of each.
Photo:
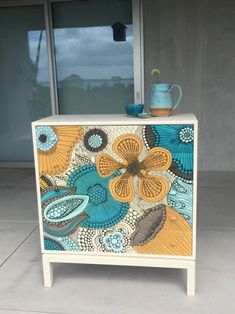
(138, 51)
(138, 55)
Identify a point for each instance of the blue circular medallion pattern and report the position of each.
(114, 241)
(103, 210)
(46, 138)
(178, 139)
(95, 140)
(186, 134)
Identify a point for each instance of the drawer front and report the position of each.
(116, 189)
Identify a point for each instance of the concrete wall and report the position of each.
(193, 44)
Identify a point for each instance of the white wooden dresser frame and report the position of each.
(144, 260)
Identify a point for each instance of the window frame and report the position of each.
(138, 46)
(138, 52)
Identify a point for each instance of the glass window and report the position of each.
(94, 55)
(24, 81)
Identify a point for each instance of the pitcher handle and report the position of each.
(180, 95)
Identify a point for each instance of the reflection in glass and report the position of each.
(40, 101)
(24, 87)
(94, 72)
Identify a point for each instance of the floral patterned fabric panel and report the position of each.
(117, 189)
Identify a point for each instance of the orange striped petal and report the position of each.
(157, 158)
(106, 165)
(57, 159)
(128, 147)
(152, 188)
(122, 188)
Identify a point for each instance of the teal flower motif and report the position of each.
(46, 138)
(103, 210)
(178, 139)
(114, 241)
(180, 198)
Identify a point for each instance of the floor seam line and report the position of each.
(29, 311)
(12, 253)
(215, 229)
(18, 221)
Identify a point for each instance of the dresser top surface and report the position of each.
(115, 119)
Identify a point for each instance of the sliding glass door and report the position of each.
(94, 55)
(24, 80)
(65, 57)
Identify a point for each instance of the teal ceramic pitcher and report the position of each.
(161, 103)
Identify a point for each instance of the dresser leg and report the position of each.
(47, 272)
(191, 279)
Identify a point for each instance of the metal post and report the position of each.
(51, 57)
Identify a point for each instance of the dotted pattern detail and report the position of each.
(46, 138)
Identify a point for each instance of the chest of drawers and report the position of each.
(116, 190)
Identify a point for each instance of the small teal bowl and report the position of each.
(134, 109)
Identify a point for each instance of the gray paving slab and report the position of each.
(90, 289)
(216, 178)
(109, 289)
(18, 195)
(12, 234)
(216, 208)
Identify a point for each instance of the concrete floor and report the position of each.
(85, 289)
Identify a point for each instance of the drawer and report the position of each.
(116, 189)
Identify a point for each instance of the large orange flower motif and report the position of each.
(55, 145)
(129, 147)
